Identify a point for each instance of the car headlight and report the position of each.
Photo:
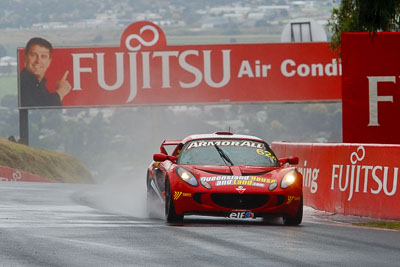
(288, 179)
(186, 176)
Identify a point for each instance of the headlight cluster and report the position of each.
(288, 179)
(186, 176)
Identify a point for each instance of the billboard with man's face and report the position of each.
(144, 70)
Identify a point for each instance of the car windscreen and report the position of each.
(227, 152)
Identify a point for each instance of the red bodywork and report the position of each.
(238, 191)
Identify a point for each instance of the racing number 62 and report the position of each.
(265, 153)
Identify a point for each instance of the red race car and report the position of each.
(224, 174)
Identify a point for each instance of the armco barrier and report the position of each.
(356, 179)
(13, 175)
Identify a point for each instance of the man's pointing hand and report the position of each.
(63, 87)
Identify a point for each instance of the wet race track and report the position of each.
(105, 225)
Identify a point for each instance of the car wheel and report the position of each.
(170, 214)
(287, 220)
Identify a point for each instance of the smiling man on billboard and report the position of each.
(37, 59)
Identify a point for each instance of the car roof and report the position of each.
(220, 135)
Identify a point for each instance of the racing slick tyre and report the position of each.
(287, 220)
(170, 214)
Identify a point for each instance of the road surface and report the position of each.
(44, 224)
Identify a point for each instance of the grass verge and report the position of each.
(381, 224)
(47, 164)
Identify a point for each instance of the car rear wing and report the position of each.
(169, 143)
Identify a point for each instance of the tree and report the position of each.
(363, 16)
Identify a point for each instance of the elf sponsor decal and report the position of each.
(291, 198)
(197, 144)
(358, 178)
(178, 194)
(310, 177)
(241, 215)
(238, 180)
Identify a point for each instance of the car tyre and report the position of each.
(170, 214)
(287, 220)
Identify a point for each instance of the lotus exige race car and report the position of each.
(224, 174)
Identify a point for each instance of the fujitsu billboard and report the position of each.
(371, 87)
(144, 70)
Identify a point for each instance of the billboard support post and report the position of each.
(23, 126)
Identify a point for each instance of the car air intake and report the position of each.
(197, 198)
(280, 200)
(238, 201)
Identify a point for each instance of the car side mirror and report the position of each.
(163, 157)
(292, 160)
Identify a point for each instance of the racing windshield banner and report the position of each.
(144, 70)
(353, 179)
(371, 87)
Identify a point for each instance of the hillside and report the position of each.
(47, 164)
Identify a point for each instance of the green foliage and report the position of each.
(363, 16)
(380, 15)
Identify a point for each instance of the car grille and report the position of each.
(197, 198)
(238, 201)
(280, 200)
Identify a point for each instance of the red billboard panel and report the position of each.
(8, 174)
(371, 87)
(144, 70)
(356, 179)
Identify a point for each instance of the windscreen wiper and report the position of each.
(224, 156)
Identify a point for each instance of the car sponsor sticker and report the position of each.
(238, 180)
(291, 198)
(178, 194)
(240, 189)
(241, 215)
(239, 143)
